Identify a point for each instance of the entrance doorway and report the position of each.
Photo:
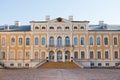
(51, 56)
(59, 56)
(67, 55)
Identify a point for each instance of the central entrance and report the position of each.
(59, 56)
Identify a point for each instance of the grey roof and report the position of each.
(15, 28)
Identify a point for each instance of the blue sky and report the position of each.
(91, 10)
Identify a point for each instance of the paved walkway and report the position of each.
(59, 74)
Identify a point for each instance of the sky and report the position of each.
(36, 10)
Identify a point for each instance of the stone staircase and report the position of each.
(59, 65)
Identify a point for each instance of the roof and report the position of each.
(15, 28)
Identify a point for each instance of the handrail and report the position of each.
(79, 64)
(40, 63)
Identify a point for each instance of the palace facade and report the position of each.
(60, 40)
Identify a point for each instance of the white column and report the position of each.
(7, 53)
(63, 56)
(55, 59)
(55, 42)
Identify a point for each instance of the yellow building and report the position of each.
(59, 40)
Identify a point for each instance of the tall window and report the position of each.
(43, 27)
(36, 55)
(3, 41)
(116, 54)
(67, 41)
(43, 41)
(27, 41)
(106, 55)
(12, 41)
(115, 41)
(82, 41)
(12, 55)
(82, 55)
(51, 41)
(20, 55)
(91, 41)
(106, 40)
(36, 40)
(75, 41)
(2, 55)
(91, 55)
(27, 55)
(20, 41)
(99, 55)
(59, 41)
(75, 55)
(98, 40)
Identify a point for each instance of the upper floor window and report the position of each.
(98, 40)
(27, 41)
(43, 27)
(75, 27)
(51, 27)
(3, 41)
(67, 41)
(81, 27)
(106, 40)
(12, 41)
(59, 41)
(75, 41)
(20, 41)
(36, 27)
(91, 41)
(115, 41)
(43, 41)
(82, 41)
(36, 40)
(59, 27)
(67, 27)
(116, 54)
(51, 41)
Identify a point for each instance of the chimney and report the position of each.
(101, 23)
(47, 18)
(71, 18)
(17, 23)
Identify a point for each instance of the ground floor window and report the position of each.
(99, 64)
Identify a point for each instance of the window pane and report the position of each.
(99, 55)
(91, 41)
(20, 41)
(91, 55)
(51, 41)
(98, 41)
(116, 54)
(27, 41)
(43, 41)
(59, 41)
(106, 54)
(82, 55)
(67, 41)
(115, 41)
(82, 41)
(75, 41)
(36, 41)
(106, 41)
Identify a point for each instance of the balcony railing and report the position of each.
(59, 46)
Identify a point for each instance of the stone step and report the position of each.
(59, 65)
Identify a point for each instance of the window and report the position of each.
(67, 27)
(98, 40)
(51, 41)
(20, 55)
(2, 55)
(59, 27)
(116, 54)
(75, 27)
(82, 27)
(36, 41)
(43, 41)
(115, 41)
(99, 64)
(82, 55)
(106, 40)
(107, 64)
(36, 27)
(91, 41)
(43, 27)
(3, 41)
(67, 41)
(12, 55)
(75, 55)
(11, 65)
(99, 55)
(51, 27)
(27, 65)
(82, 41)
(27, 55)
(36, 55)
(12, 41)
(91, 55)
(20, 41)
(59, 41)
(106, 55)
(75, 41)
(27, 41)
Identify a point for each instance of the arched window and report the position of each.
(43, 27)
(51, 41)
(51, 27)
(36, 40)
(12, 41)
(59, 28)
(82, 27)
(43, 41)
(82, 55)
(98, 40)
(75, 27)
(91, 41)
(67, 27)
(106, 40)
(27, 41)
(75, 41)
(36, 27)
(75, 55)
(82, 40)
(20, 41)
(59, 41)
(115, 41)
(67, 41)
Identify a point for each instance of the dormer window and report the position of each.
(75, 27)
(82, 27)
(43, 27)
(36, 27)
(67, 27)
(51, 27)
